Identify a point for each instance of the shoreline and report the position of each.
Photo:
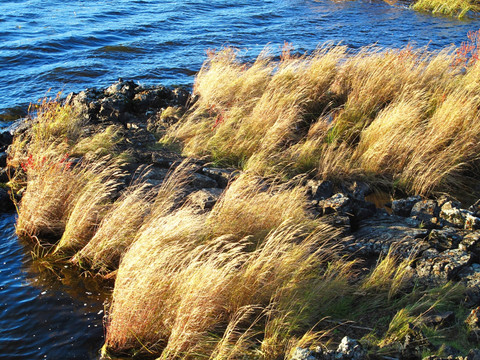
(123, 203)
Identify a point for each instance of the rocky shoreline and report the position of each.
(439, 236)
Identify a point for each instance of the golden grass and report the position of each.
(180, 298)
(252, 206)
(117, 231)
(257, 275)
(405, 117)
(89, 203)
(51, 185)
(100, 144)
(457, 8)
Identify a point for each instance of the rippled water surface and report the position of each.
(45, 314)
(71, 45)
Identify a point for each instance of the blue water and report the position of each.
(71, 45)
(45, 313)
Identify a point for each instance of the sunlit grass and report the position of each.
(456, 8)
(340, 115)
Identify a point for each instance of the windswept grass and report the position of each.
(258, 275)
(252, 206)
(90, 202)
(405, 117)
(44, 206)
(192, 298)
(456, 8)
(117, 231)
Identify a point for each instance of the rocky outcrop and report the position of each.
(441, 238)
(348, 349)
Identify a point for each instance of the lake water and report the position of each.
(45, 313)
(71, 45)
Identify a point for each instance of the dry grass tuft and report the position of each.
(90, 202)
(51, 187)
(457, 8)
(180, 298)
(117, 231)
(405, 117)
(252, 206)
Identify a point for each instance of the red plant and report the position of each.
(218, 120)
(468, 52)
(36, 164)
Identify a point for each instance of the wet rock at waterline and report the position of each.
(124, 101)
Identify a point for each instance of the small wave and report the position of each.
(120, 49)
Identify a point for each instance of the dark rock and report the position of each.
(425, 207)
(471, 242)
(453, 214)
(156, 173)
(125, 88)
(85, 103)
(152, 99)
(6, 139)
(472, 222)
(470, 276)
(3, 159)
(307, 354)
(180, 96)
(444, 239)
(350, 349)
(6, 203)
(362, 210)
(338, 203)
(436, 268)
(427, 212)
(319, 190)
(205, 199)
(200, 181)
(378, 233)
(114, 109)
(439, 320)
(4, 175)
(403, 207)
(20, 126)
(475, 208)
(357, 190)
(222, 176)
(163, 159)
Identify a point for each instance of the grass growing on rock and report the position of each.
(456, 8)
(197, 291)
(259, 274)
(403, 116)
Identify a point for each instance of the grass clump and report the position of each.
(100, 144)
(456, 8)
(252, 206)
(208, 298)
(116, 232)
(89, 204)
(340, 116)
